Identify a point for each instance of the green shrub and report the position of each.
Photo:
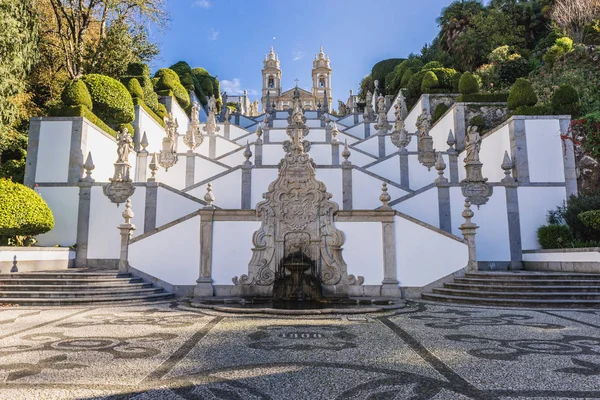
(135, 89)
(565, 100)
(489, 76)
(511, 70)
(184, 71)
(23, 212)
(138, 69)
(468, 84)
(112, 102)
(432, 65)
(406, 77)
(570, 214)
(478, 121)
(483, 98)
(456, 81)
(159, 119)
(554, 236)
(561, 47)
(162, 111)
(129, 128)
(168, 80)
(76, 93)
(13, 170)
(440, 110)
(590, 219)
(82, 111)
(540, 109)
(413, 88)
(384, 67)
(521, 94)
(566, 43)
(397, 81)
(499, 54)
(429, 82)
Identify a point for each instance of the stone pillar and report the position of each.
(389, 285)
(335, 153)
(381, 143)
(568, 157)
(33, 142)
(227, 130)
(367, 129)
(346, 179)
(518, 149)
(190, 167)
(452, 158)
(150, 205)
(328, 133)
(443, 195)
(404, 177)
(460, 127)
(78, 143)
(258, 152)
(141, 166)
(266, 130)
(212, 146)
(468, 229)
(126, 229)
(204, 286)
(512, 208)
(356, 116)
(83, 213)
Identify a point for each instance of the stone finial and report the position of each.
(468, 214)
(450, 141)
(144, 142)
(346, 153)
(247, 155)
(334, 133)
(259, 132)
(209, 197)
(507, 166)
(440, 166)
(385, 197)
(153, 168)
(88, 166)
(127, 213)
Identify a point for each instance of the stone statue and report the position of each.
(212, 103)
(424, 123)
(380, 104)
(472, 144)
(195, 112)
(171, 127)
(125, 146)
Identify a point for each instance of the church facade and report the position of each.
(273, 92)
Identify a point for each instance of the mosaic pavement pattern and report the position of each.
(424, 351)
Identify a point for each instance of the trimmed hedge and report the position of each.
(541, 109)
(456, 81)
(138, 69)
(430, 81)
(168, 80)
(577, 205)
(511, 70)
(83, 111)
(554, 236)
(382, 68)
(432, 65)
(135, 89)
(565, 100)
(521, 94)
(478, 121)
(112, 101)
(483, 98)
(23, 212)
(76, 93)
(156, 117)
(468, 84)
(406, 77)
(591, 219)
(184, 71)
(162, 111)
(440, 110)
(413, 88)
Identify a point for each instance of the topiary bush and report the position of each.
(430, 81)
(468, 84)
(565, 100)
(440, 110)
(432, 65)
(570, 214)
(76, 93)
(111, 99)
(590, 219)
(406, 77)
(135, 89)
(384, 67)
(168, 82)
(521, 94)
(483, 98)
(554, 236)
(561, 46)
(511, 70)
(456, 81)
(184, 71)
(138, 69)
(477, 121)
(23, 213)
(162, 111)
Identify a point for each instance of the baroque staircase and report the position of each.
(76, 287)
(521, 289)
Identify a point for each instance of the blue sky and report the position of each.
(229, 38)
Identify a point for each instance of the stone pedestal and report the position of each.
(204, 286)
(126, 231)
(389, 285)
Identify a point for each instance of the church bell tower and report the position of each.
(271, 75)
(321, 77)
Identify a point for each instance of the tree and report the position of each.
(455, 19)
(572, 16)
(365, 85)
(81, 26)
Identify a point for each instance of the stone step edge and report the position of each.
(479, 300)
(461, 293)
(55, 288)
(66, 300)
(492, 288)
(4, 281)
(521, 281)
(22, 294)
(83, 275)
(531, 274)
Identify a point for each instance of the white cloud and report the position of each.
(202, 4)
(298, 55)
(213, 34)
(234, 87)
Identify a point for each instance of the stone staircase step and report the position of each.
(68, 294)
(520, 295)
(87, 300)
(508, 302)
(533, 275)
(76, 288)
(520, 288)
(533, 282)
(39, 281)
(64, 275)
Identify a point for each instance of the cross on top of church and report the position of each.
(296, 80)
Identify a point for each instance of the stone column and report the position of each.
(367, 129)
(381, 143)
(404, 176)
(335, 153)
(227, 129)
(512, 208)
(568, 157)
(468, 229)
(142, 166)
(204, 286)
(443, 195)
(460, 126)
(247, 180)
(212, 146)
(83, 213)
(389, 285)
(518, 149)
(126, 230)
(452, 158)
(190, 167)
(346, 179)
(33, 142)
(150, 206)
(258, 152)
(355, 116)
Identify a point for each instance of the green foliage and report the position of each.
(591, 219)
(135, 89)
(138, 69)
(511, 70)
(83, 111)
(521, 94)
(382, 69)
(406, 77)
(430, 81)
(554, 236)
(456, 81)
(440, 110)
(483, 98)
(395, 79)
(561, 47)
(565, 43)
(570, 215)
(202, 79)
(112, 102)
(366, 84)
(184, 71)
(76, 93)
(565, 100)
(478, 121)
(13, 170)
(23, 212)
(413, 88)
(489, 76)
(539, 109)
(468, 84)
(161, 111)
(168, 80)
(499, 54)
(432, 65)
(160, 120)
(588, 128)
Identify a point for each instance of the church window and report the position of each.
(271, 83)
(321, 82)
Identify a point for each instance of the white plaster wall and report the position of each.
(357, 158)
(370, 145)
(278, 135)
(154, 131)
(172, 255)
(366, 190)
(54, 151)
(492, 238)
(313, 123)
(280, 123)
(245, 122)
(492, 154)
(171, 206)
(229, 261)
(272, 154)
(342, 137)
(457, 202)
(389, 169)
(462, 173)
(348, 120)
(321, 154)
(182, 119)
(544, 150)
(237, 158)
(236, 132)
(174, 176)
(7, 254)
(104, 154)
(571, 256)
(205, 169)
(357, 130)
(410, 123)
(390, 148)
(534, 204)
(419, 175)
(439, 131)
(225, 146)
(363, 250)
(424, 206)
(227, 190)
(261, 178)
(64, 203)
(281, 114)
(104, 241)
(332, 178)
(316, 135)
(310, 114)
(416, 265)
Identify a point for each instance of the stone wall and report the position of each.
(492, 113)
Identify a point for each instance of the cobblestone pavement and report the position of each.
(423, 351)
